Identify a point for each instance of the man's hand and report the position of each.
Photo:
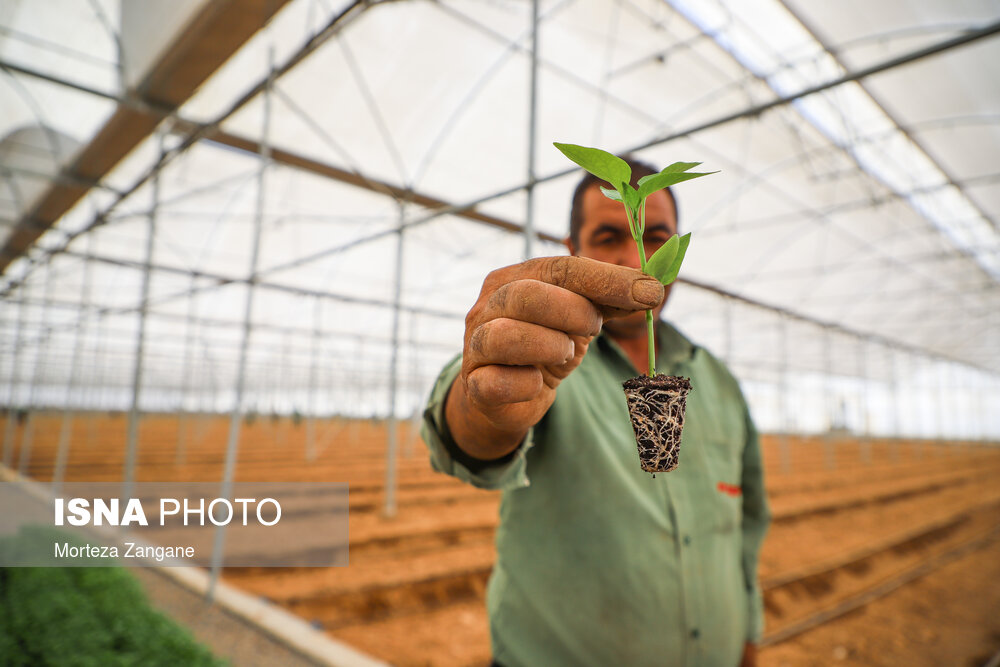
(527, 331)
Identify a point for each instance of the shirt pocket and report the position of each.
(720, 488)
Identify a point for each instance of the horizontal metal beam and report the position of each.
(213, 35)
(297, 161)
(226, 280)
(99, 312)
(832, 326)
(222, 280)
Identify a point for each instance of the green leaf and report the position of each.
(672, 175)
(632, 198)
(602, 164)
(675, 266)
(659, 263)
(675, 168)
(612, 194)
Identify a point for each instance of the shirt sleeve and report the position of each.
(506, 473)
(756, 518)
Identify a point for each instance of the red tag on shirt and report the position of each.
(729, 489)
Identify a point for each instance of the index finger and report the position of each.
(617, 287)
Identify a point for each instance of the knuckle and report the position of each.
(499, 299)
(493, 337)
(520, 299)
(477, 341)
(474, 387)
(557, 270)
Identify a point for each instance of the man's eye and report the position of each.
(606, 239)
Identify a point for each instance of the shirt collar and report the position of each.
(674, 347)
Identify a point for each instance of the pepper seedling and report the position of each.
(665, 263)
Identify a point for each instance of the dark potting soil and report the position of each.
(656, 406)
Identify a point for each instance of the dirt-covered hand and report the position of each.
(527, 331)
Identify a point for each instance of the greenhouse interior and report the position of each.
(252, 231)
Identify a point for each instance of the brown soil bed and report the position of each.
(948, 617)
(848, 514)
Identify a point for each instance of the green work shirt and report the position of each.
(600, 563)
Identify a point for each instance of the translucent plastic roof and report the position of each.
(866, 212)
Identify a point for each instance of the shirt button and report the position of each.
(695, 633)
(687, 540)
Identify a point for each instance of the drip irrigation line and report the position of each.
(842, 608)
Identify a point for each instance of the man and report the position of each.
(598, 563)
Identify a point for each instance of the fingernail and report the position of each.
(647, 292)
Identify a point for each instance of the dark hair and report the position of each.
(639, 169)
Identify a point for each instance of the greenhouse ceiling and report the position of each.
(409, 144)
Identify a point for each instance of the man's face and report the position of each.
(604, 236)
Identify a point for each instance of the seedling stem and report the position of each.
(665, 263)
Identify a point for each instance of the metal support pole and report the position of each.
(866, 442)
(529, 218)
(993, 407)
(100, 361)
(284, 384)
(9, 316)
(358, 397)
(208, 404)
(786, 455)
(132, 435)
(829, 457)
(65, 434)
(417, 415)
(28, 436)
(938, 394)
(96, 380)
(961, 383)
(183, 422)
(982, 386)
(949, 407)
(897, 421)
(10, 427)
(313, 364)
(958, 421)
(232, 446)
(917, 391)
(389, 509)
(988, 399)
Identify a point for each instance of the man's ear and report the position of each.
(569, 246)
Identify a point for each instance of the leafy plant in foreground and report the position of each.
(665, 263)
